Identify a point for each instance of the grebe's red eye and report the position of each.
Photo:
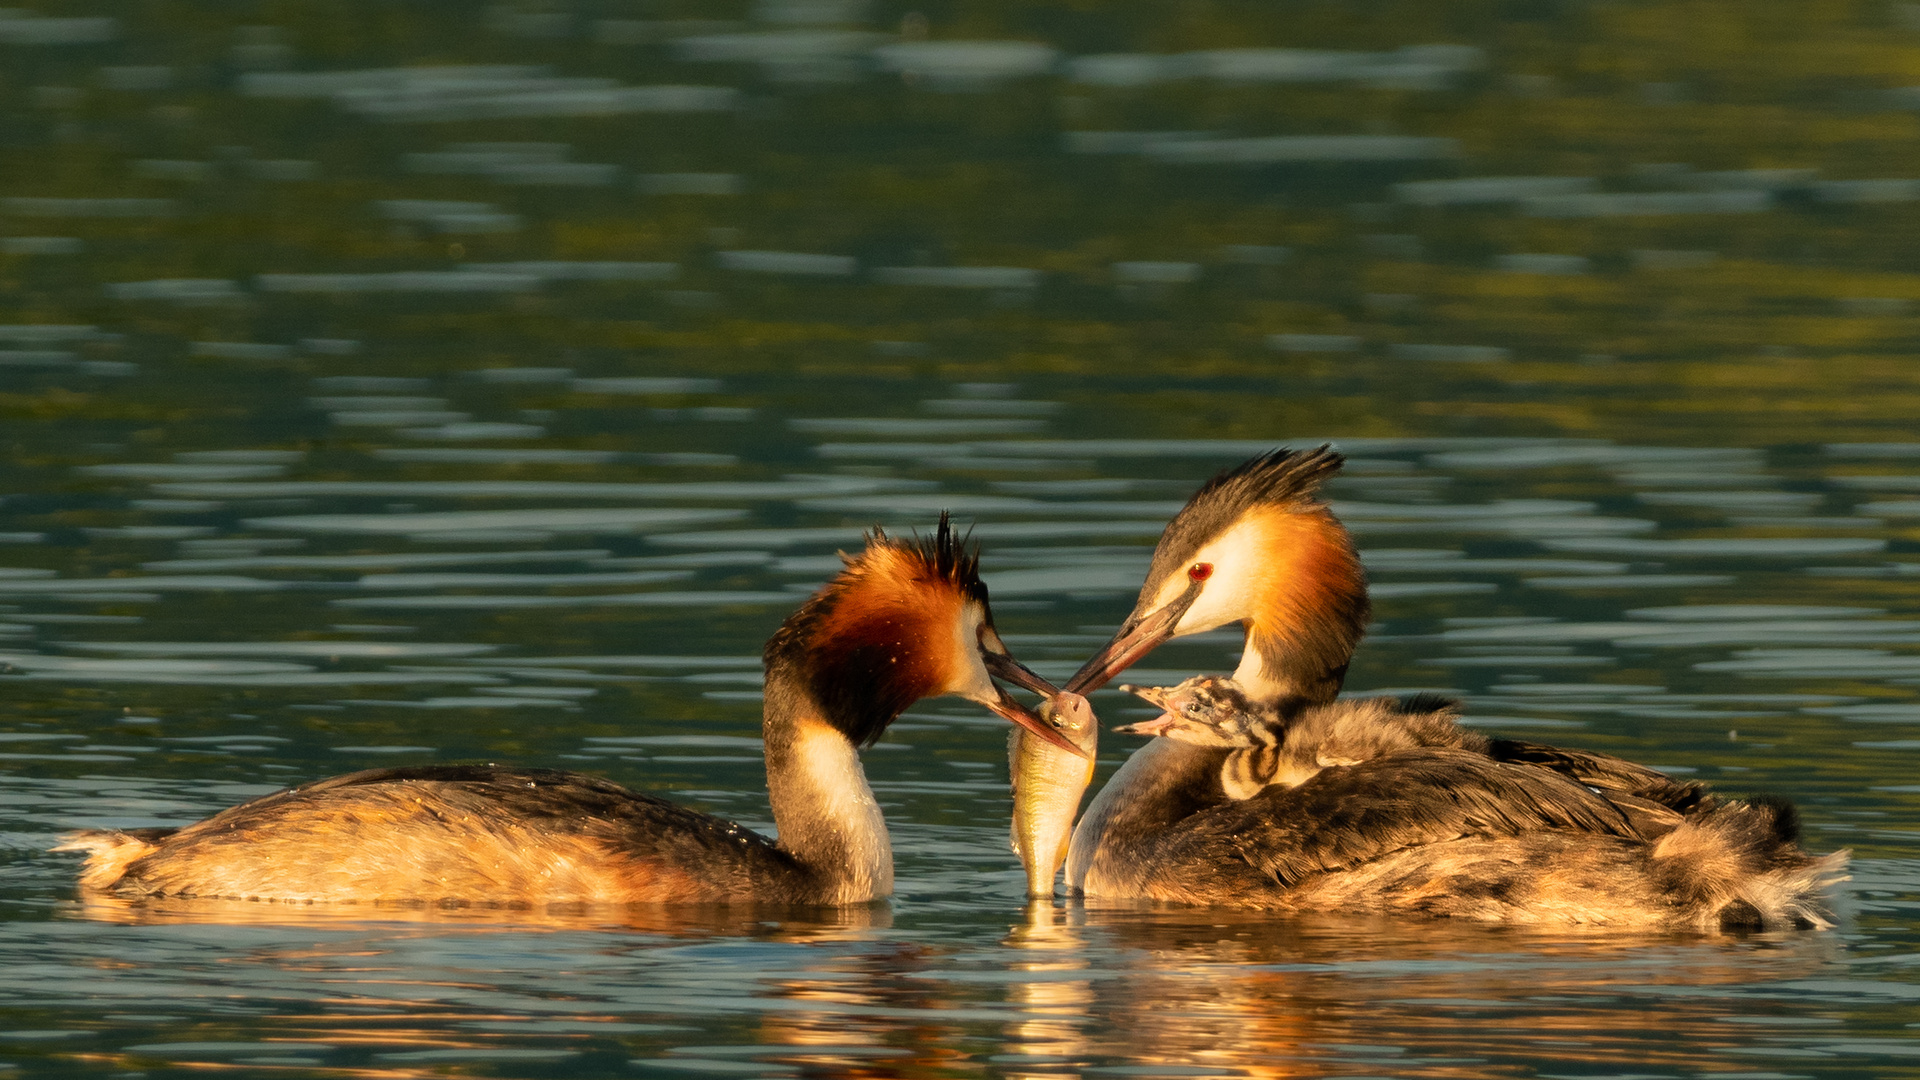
(1200, 571)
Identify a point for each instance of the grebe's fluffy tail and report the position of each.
(109, 852)
(1739, 866)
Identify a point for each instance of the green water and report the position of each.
(400, 383)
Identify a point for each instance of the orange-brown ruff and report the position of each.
(903, 621)
(1379, 805)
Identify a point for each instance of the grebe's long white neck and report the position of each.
(902, 622)
(1157, 784)
(823, 806)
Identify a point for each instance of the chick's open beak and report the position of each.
(1156, 726)
(1152, 695)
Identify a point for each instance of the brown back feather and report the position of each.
(1346, 816)
(1615, 776)
(459, 829)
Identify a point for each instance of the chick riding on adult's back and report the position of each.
(1379, 804)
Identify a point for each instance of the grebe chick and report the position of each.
(1268, 748)
(903, 621)
(1482, 828)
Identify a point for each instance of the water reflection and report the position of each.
(475, 986)
(1083, 990)
(1053, 1006)
(1244, 994)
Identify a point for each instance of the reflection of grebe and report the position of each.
(903, 621)
(1416, 816)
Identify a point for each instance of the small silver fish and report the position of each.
(1047, 785)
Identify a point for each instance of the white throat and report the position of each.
(1251, 674)
(827, 814)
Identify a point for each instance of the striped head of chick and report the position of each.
(1209, 710)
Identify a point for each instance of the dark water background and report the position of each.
(406, 382)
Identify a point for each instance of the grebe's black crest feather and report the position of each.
(948, 557)
(851, 645)
(1282, 476)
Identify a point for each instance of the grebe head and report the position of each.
(905, 620)
(1254, 546)
(1207, 710)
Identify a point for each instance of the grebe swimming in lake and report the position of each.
(903, 621)
(1273, 794)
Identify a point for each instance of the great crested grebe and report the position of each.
(903, 621)
(1291, 800)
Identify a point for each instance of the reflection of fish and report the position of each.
(903, 621)
(1271, 792)
(1047, 784)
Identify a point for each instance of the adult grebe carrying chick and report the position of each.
(1268, 792)
(903, 621)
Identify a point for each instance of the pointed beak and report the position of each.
(1003, 666)
(1136, 638)
(1026, 718)
(1156, 726)
(1152, 695)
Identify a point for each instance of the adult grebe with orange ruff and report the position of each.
(903, 621)
(1378, 804)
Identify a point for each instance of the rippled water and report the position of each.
(387, 385)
